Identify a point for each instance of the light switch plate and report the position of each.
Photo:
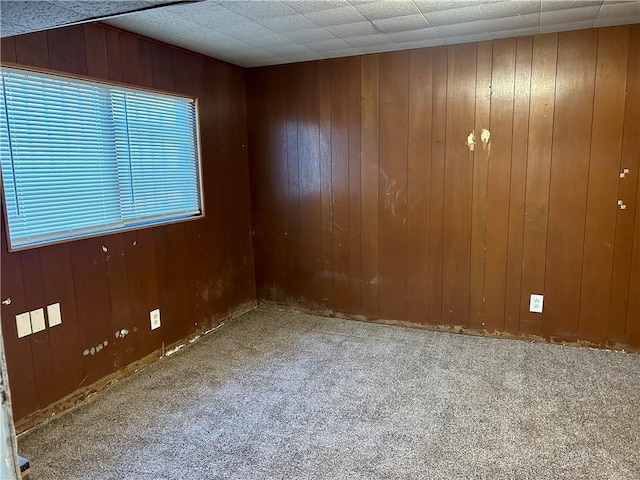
(535, 303)
(23, 324)
(154, 317)
(37, 320)
(53, 314)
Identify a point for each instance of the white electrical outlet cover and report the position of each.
(53, 313)
(535, 303)
(23, 324)
(154, 316)
(37, 320)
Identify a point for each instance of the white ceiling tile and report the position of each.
(206, 13)
(426, 6)
(468, 28)
(258, 10)
(153, 23)
(291, 49)
(618, 14)
(9, 29)
(387, 9)
(335, 16)
(399, 24)
(290, 23)
(510, 23)
(550, 5)
(369, 40)
(93, 9)
(310, 35)
(334, 44)
(414, 35)
(304, 6)
(270, 40)
(262, 32)
(244, 30)
(421, 43)
(453, 16)
(33, 15)
(569, 16)
(478, 37)
(353, 29)
(492, 9)
(390, 47)
(564, 27)
(342, 52)
(255, 54)
(517, 32)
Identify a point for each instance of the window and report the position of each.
(83, 158)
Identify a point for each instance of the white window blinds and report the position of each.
(82, 158)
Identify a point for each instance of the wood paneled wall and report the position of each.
(367, 201)
(195, 272)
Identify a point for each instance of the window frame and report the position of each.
(86, 79)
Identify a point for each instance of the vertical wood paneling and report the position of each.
(418, 184)
(436, 214)
(40, 351)
(623, 324)
(33, 49)
(67, 49)
(324, 112)
(458, 180)
(474, 233)
(340, 183)
(480, 156)
(278, 186)
(96, 51)
(20, 365)
(91, 287)
(64, 341)
(370, 115)
(517, 182)
(498, 181)
(632, 332)
(310, 277)
(569, 177)
(394, 111)
(355, 249)
(119, 301)
(602, 196)
(543, 79)
(293, 200)
(8, 49)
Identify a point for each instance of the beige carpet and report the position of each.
(279, 395)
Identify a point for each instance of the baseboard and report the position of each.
(76, 398)
(458, 329)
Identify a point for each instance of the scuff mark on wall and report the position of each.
(392, 193)
(122, 333)
(96, 349)
(485, 136)
(471, 141)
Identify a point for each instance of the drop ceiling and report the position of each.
(253, 33)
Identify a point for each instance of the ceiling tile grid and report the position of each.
(264, 32)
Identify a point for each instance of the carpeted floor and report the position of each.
(279, 395)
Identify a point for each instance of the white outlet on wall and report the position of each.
(53, 313)
(154, 316)
(37, 320)
(535, 303)
(23, 324)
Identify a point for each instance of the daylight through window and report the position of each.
(82, 158)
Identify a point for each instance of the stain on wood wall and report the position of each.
(367, 201)
(194, 272)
